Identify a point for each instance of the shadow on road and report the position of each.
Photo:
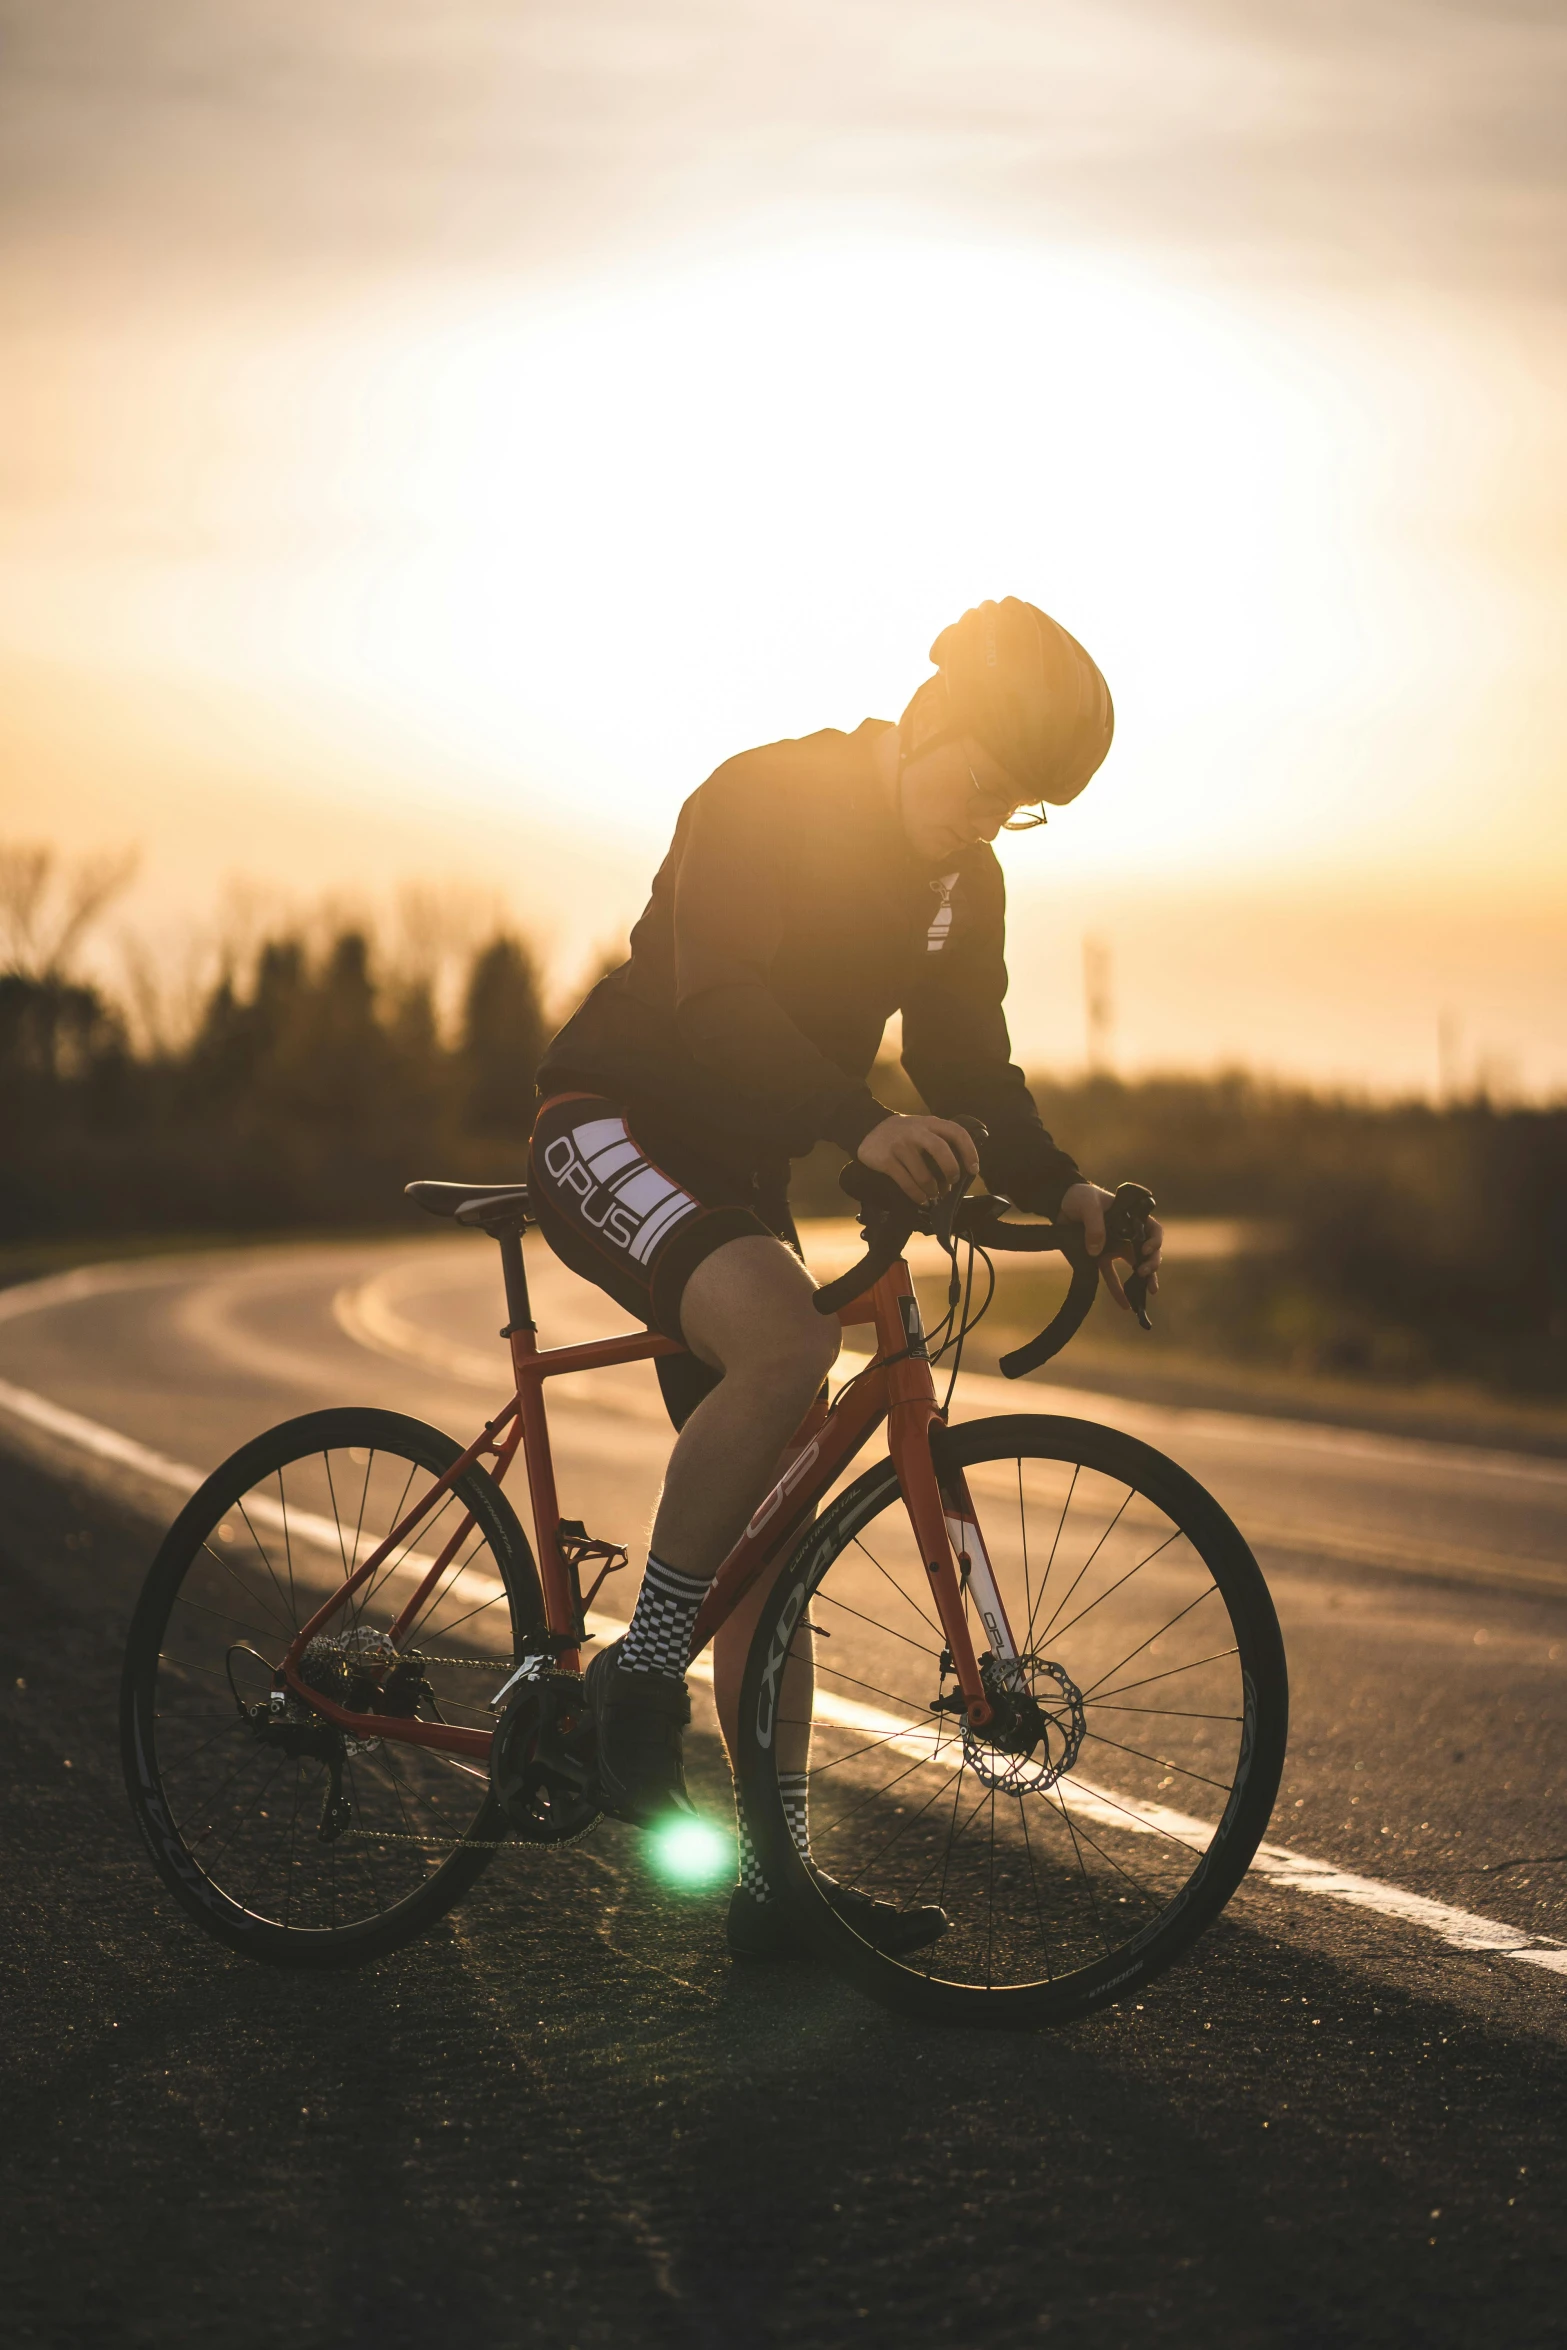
(563, 2119)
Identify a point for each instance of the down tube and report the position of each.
(784, 1509)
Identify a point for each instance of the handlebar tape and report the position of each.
(884, 1250)
(898, 1219)
(1070, 1316)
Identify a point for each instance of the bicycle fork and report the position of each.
(943, 1517)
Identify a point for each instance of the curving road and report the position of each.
(1414, 1900)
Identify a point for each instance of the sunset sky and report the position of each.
(435, 435)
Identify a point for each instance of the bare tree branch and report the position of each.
(49, 904)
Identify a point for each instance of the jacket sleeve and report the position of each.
(957, 1051)
(728, 922)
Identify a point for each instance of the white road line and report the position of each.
(104, 1444)
(1291, 1872)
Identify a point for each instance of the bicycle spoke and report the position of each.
(1162, 1761)
(890, 1629)
(1033, 1879)
(930, 1621)
(1218, 1657)
(1161, 1713)
(867, 1867)
(1084, 1613)
(1178, 1618)
(1044, 1579)
(290, 1616)
(1087, 1563)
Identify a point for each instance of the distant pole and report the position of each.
(1098, 1002)
(1449, 1047)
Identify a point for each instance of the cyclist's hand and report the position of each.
(1085, 1204)
(924, 1156)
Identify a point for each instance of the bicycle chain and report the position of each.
(440, 1843)
(467, 1844)
(473, 1664)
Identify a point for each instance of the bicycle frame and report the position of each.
(896, 1388)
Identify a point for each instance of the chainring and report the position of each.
(542, 1767)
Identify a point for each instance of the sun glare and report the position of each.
(561, 554)
(690, 1852)
(612, 540)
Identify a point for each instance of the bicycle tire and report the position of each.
(1070, 1814)
(216, 1574)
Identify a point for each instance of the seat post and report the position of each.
(519, 1310)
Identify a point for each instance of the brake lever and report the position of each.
(881, 1200)
(1126, 1228)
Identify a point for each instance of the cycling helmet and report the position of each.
(1020, 684)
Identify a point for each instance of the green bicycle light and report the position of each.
(690, 1852)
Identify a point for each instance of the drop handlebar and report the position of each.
(889, 1218)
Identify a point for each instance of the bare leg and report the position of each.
(747, 1312)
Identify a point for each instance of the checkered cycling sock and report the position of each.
(792, 1786)
(659, 1637)
(795, 1789)
(752, 1880)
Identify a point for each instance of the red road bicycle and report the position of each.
(1035, 1667)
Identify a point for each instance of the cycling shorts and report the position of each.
(634, 1203)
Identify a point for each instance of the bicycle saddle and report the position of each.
(488, 1205)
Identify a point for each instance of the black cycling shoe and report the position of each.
(765, 1929)
(895, 1931)
(640, 1718)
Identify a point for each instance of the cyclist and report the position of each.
(813, 888)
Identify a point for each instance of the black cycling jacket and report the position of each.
(788, 922)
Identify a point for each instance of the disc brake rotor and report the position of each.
(1037, 1731)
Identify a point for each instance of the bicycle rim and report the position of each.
(1078, 1847)
(287, 1839)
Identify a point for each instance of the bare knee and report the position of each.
(748, 1311)
(797, 1353)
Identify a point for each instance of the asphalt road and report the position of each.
(563, 2119)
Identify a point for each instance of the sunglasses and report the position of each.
(1013, 818)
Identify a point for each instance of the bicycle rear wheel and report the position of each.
(285, 1838)
(1084, 1840)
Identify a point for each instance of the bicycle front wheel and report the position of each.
(1079, 1843)
(284, 1837)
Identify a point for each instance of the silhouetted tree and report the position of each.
(503, 1036)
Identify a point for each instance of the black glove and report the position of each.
(1026, 1167)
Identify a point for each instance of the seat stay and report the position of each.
(370, 1565)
